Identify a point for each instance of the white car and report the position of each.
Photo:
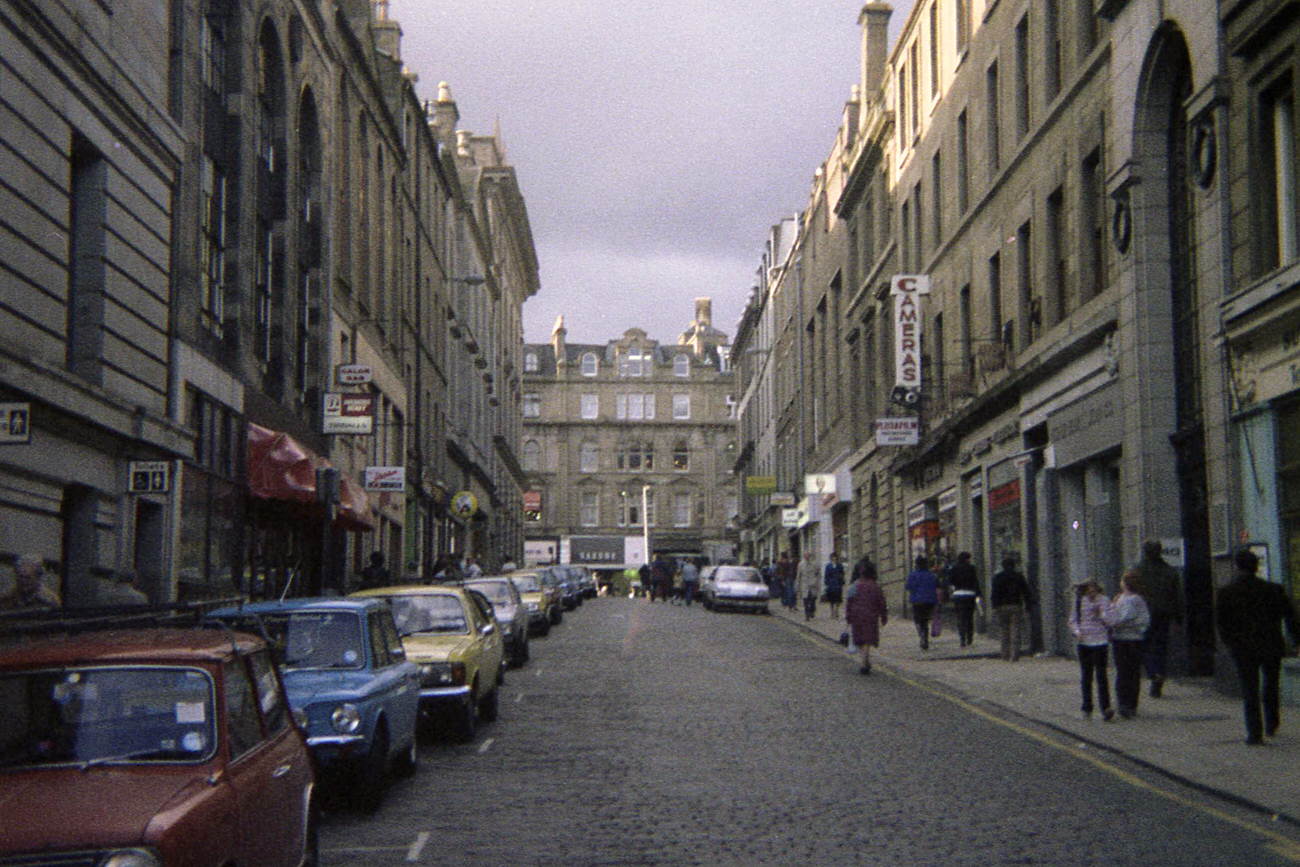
(739, 587)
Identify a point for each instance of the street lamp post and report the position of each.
(645, 520)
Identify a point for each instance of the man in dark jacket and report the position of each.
(1250, 614)
(1162, 587)
(965, 594)
(1009, 596)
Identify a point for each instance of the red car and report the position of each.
(141, 747)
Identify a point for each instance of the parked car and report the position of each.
(740, 587)
(552, 581)
(451, 633)
(347, 675)
(151, 746)
(537, 601)
(570, 586)
(510, 612)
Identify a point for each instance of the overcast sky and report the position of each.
(655, 143)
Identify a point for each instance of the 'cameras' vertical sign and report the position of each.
(907, 290)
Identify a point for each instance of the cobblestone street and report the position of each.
(654, 734)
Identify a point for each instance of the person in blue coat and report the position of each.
(923, 593)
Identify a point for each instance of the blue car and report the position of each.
(349, 684)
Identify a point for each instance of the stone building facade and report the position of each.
(628, 441)
(1040, 164)
(231, 220)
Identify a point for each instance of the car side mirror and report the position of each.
(399, 653)
(488, 629)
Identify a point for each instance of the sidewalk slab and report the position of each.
(1194, 733)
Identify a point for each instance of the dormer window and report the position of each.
(530, 362)
(590, 364)
(636, 362)
(682, 366)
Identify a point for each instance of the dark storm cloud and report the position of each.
(655, 143)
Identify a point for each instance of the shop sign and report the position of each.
(348, 413)
(1086, 427)
(385, 479)
(760, 485)
(532, 501)
(464, 504)
(948, 500)
(783, 498)
(353, 374)
(907, 290)
(149, 477)
(1005, 495)
(596, 550)
(904, 431)
(15, 423)
(792, 518)
(819, 484)
(922, 511)
(539, 552)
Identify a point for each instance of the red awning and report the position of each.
(281, 468)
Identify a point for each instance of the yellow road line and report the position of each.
(1279, 844)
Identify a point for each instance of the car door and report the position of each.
(397, 682)
(488, 634)
(269, 770)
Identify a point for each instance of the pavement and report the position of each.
(1193, 733)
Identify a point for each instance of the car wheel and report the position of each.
(409, 760)
(490, 707)
(545, 629)
(467, 724)
(556, 616)
(524, 652)
(373, 774)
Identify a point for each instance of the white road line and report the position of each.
(413, 854)
(485, 746)
(519, 696)
(537, 672)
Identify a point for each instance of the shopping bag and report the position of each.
(936, 625)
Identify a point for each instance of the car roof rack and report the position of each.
(68, 621)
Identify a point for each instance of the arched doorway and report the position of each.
(1168, 289)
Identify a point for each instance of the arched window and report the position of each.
(589, 457)
(590, 364)
(681, 456)
(532, 458)
(682, 365)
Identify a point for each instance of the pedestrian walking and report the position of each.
(865, 611)
(966, 595)
(1164, 595)
(1250, 614)
(690, 580)
(833, 584)
(375, 574)
(661, 578)
(30, 589)
(922, 588)
(1088, 625)
(808, 585)
(646, 581)
(1128, 620)
(1009, 597)
(472, 568)
(679, 587)
(785, 575)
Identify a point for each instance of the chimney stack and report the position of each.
(874, 21)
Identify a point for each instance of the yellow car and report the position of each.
(537, 600)
(451, 633)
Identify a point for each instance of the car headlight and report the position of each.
(346, 719)
(132, 858)
(442, 673)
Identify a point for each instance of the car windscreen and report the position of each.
(526, 583)
(496, 591)
(428, 612)
(111, 715)
(737, 575)
(316, 639)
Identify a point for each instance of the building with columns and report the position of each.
(629, 441)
